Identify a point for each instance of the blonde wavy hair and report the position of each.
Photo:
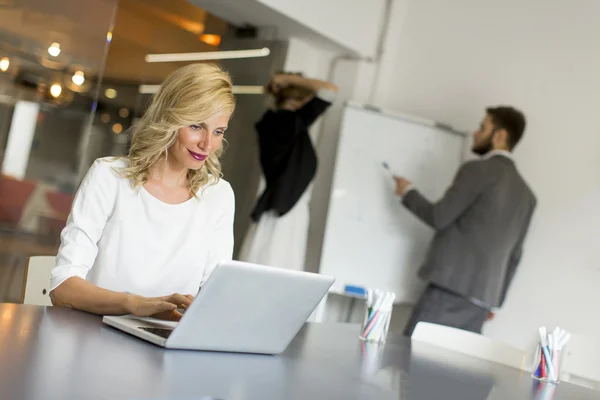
(188, 96)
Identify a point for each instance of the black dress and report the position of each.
(287, 156)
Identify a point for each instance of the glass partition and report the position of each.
(73, 79)
(52, 57)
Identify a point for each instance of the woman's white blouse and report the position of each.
(124, 239)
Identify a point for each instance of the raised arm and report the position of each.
(462, 193)
(281, 81)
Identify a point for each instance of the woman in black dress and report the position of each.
(289, 164)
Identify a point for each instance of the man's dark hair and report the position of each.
(509, 119)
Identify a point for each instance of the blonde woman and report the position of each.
(146, 231)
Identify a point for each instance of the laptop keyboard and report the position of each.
(164, 333)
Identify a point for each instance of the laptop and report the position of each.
(242, 307)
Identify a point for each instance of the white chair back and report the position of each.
(469, 343)
(36, 282)
(579, 365)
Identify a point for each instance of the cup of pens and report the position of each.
(548, 354)
(378, 314)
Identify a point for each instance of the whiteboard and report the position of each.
(370, 239)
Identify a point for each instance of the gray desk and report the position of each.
(54, 353)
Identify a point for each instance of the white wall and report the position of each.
(307, 58)
(354, 24)
(313, 62)
(449, 61)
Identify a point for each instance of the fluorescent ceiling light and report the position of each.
(207, 55)
(245, 89)
(248, 89)
(148, 89)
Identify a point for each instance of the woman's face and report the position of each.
(196, 142)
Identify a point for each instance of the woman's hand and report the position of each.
(80, 294)
(278, 82)
(283, 80)
(160, 307)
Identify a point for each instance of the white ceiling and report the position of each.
(273, 23)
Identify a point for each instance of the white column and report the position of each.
(20, 137)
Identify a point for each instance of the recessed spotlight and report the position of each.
(54, 49)
(55, 90)
(78, 78)
(4, 63)
(117, 128)
(110, 93)
(213, 40)
(124, 113)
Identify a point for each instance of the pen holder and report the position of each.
(547, 364)
(543, 390)
(371, 358)
(376, 324)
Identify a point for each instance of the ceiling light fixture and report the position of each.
(78, 78)
(110, 93)
(236, 89)
(213, 40)
(117, 128)
(208, 55)
(55, 90)
(54, 49)
(4, 64)
(248, 89)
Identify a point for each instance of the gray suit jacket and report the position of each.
(480, 224)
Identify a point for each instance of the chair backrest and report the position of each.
(469, 343)
(36, 282)
(14, 195)
(60, 204)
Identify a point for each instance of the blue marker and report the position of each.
(388, 170)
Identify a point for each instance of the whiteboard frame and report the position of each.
(405, 117)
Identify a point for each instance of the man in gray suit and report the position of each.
(480, 225)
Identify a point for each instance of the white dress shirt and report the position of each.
(493, 153)
(126, 240)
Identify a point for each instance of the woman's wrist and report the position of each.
(313, 84)
(293, 80)
(129, 302)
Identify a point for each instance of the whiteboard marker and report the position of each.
(387, 169)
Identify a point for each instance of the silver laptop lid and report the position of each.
(249, 308)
